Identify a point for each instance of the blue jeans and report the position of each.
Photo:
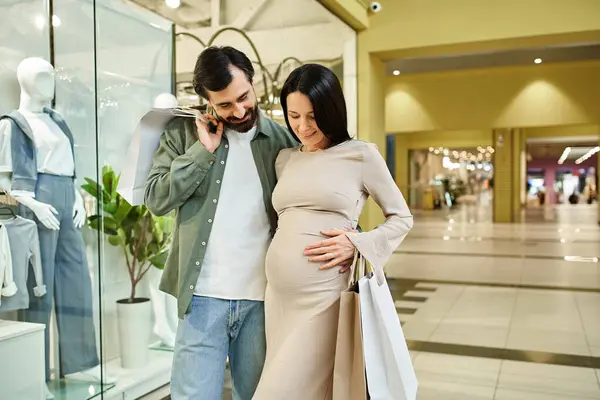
(211, 331)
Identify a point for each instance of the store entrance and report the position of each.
(452, 183)
(562, 181)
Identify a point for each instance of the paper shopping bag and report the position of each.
(349, 381)
(390, 373)
(144, 144)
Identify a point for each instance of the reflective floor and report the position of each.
(504, 312)
(501, 311)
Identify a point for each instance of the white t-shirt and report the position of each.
(234, 264)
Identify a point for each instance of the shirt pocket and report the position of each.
(202, 189)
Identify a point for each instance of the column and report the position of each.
(350, 84)
(549, 178)
(519, 173)
(503, 176)
(598, 181)
(371, 118)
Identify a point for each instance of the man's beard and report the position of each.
(252, 114)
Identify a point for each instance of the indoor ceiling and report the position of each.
(556, 150)
(190, 13)
(506, 58)
(250, 14)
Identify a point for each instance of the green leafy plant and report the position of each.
(144, 238)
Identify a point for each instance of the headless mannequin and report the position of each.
(165, 306)
(36, 77)
(37, 80)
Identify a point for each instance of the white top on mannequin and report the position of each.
(36, 77)
(53, 149)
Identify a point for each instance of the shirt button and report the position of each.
(218, 181)
(203, 243)
(191, 287)
(211, 163)
(197, 262)
(210, 221)
(215, 200)
(222, 162)
(197, 183)
(226, 146)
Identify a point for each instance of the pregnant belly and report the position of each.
(289, 270)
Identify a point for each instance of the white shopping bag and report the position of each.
(390, 373)
(144, 144)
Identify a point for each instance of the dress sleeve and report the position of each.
(378, 244)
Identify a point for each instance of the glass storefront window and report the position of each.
(73, 87)
(446, 178)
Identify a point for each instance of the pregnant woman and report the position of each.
(322, 186)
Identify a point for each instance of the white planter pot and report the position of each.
(135, 327)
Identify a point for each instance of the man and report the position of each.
(220, 184)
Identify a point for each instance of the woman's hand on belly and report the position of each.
(337, 251)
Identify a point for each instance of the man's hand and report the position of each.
(338, 250)
(210, 140)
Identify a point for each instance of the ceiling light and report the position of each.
(564, 156)
(396, 72)
(587, 155)
(173, 3)
(537, 61)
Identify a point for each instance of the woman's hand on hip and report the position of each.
(337, 251)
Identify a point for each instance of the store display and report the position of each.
(38, 170)
(20, 252)
(8, 287)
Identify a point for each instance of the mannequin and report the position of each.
(165, 306)
(37, 168)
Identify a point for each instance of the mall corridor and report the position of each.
(500, 312)
(494, 311)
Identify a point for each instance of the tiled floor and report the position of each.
(501, 312)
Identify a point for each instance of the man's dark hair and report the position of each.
(325, 93)
(212, 71)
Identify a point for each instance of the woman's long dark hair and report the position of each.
(323, 89)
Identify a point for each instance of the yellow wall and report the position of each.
(425, 27)
(372, 98)
(450, 139)
(410, 27)
(537, 95)
(563, 131)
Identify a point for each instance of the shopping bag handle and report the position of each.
(358, 269)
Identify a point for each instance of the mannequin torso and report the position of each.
(53, 150)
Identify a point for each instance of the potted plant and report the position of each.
(144, 240)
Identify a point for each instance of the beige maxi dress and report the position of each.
(319, 191)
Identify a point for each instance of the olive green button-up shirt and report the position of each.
(184, 177)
